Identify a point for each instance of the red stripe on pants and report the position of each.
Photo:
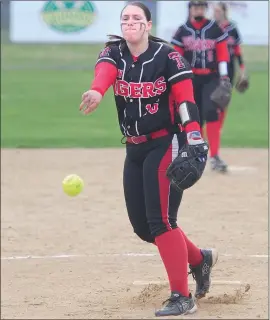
(164, 187)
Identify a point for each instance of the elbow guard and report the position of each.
(223, 68)
(188, 112)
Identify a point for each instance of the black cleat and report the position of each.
(218, 165)
(202, 273)
(177, 305)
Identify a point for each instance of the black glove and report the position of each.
(223, 93)
(188, 167)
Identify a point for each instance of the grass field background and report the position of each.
(41, 89)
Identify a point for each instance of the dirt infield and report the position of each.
(85, 261)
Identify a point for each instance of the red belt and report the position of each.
(148, 137)
(202, 71)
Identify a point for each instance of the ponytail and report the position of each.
(114, 39)
(157, 39)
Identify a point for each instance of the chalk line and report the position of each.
(214, 282)
(60, 256)
(110, 255)
(65, 256)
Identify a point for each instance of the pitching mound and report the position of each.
(78, 258)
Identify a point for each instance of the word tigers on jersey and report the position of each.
(140, 89)
(192, 44)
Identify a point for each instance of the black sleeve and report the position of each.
(220, 34)
(236, 35)
(178, 68)
(108, 54)
(177, 38)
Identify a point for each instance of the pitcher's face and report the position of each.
(134, 24)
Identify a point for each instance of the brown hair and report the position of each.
(114, 39)
(224, 8)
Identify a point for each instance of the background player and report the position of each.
(234, 40)
(204, 45)
(145, 73)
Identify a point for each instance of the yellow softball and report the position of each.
(73, 185)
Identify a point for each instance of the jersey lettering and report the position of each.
(199, 46)
(140, 90)
(148, 90)
(135, 90)
(192, 44)
(152, 108)
(121, 87)
(176, 56)
(105, 52)
(210, 55)
(160, 85)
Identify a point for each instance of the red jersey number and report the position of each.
(152, 108)
(178, 59)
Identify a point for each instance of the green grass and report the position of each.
(45, 111)
(40, 103)
(247, 121)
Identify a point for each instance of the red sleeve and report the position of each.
(105, 76)
(179, 49)
(183, 91)
(237, 50)
(222, 51)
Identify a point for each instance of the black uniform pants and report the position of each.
(151, 202)
(203, 86)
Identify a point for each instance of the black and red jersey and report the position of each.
(142, 87)
(200, 43)
(234, 39)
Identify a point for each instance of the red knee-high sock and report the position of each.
(173, 251)
(213, 137)
(194, 253)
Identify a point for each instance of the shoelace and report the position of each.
(172, 300)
